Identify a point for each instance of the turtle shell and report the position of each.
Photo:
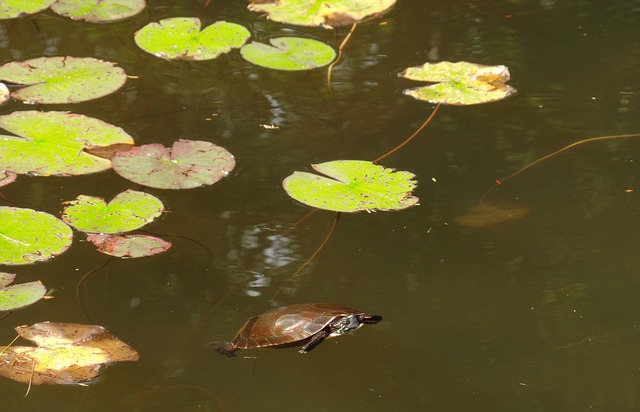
(289, 325)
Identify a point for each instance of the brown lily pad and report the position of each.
(66, 353)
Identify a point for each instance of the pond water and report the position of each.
(540, 313)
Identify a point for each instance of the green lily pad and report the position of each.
(18, 296)
(460, 83)
(129, 246)
(50, 143)
(324, 13)
(352, 186)
(66, 353)
(127, 211)
(289, 53)
(63, 79)
(180, 38)
(188, 164)
(27, 236)
(11, 9)
(98, 11)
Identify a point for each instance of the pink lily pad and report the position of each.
(187, 164)
(129, 246)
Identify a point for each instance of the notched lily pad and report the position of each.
(289, 53)
(488, 214)
(352, 186)
(129, 246)
(27, 236)
(460, 83)
(98, 11)
(324, 13)
(180, 38)
(188, 164)
(127, 211)
(62, 79)
(11, 9)
(20, 295)
(49, 143)
(66, 353)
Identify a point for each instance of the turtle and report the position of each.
(304, 324)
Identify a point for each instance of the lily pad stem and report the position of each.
(318, 250)
(342, 45)
(535, 162)
(410, 138)
(82, 280)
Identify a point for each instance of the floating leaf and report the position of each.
(352, 186)
(67, 353)
(181, 38)
(324, 13)
(289, 53)
(63, 79)
(129, 246)
(52, 142)
(487, 214)
(7, 177)
(188, 164)
(459, 83)
(11, 9)
(18, 296)
(127, 211)
(27, 236)
(98, 11)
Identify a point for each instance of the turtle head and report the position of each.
(224, 348)
(346, 324)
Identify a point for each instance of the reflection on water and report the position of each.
(538, 313)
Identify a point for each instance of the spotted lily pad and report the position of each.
(50, 143)
(180, 38)
(289, 53)
(188, 164)
(66, 353)
(460, 83)
(352, 186)
(324, 13)
(20, 295)
(98, 11)
(11, 9)
(28, 236)
(129, 246)
(127, 211)
(63, 79)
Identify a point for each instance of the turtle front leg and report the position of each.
(314, 341)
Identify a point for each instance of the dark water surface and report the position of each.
(536, 314)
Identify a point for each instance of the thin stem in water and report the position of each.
(401, 145)
(318, 250)
(543, 158)
(342, 45)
